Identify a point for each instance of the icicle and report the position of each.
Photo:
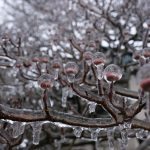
(92, 107)
(124, 136)
(100, 72)
(110, 136)
(70, 93)
(36, 126)
(18, 128)
(56, 85)
(97, 145)
(51, 102)
(57, 144)
(123, 131)
(121, 145)
(77, 131)
(94, 133)
(64, 96)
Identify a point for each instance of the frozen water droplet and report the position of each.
(92, 107)
(110, 136)
(77, 131)
(94, 133)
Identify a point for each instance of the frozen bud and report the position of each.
(57, 64)
(89, 30)
(99, 59)
(71, 69)
(44, 59)
(27, 62)
(45, 81)
(112, 73)
(87, 56)
(137, 55)
(126, 35)
(19, 62)
(35, 58)
(23, 62)
(146, 52)
(144, 77)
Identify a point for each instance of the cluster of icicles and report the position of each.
(19, 128)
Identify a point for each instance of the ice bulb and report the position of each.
(112, 73)
(99, 59)
(144, 77)
(44, 59)
(57, 63)
(87, 56)
(45, 81)
(146, 52)
(35, 58)
(137, 55)
(71, 69)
